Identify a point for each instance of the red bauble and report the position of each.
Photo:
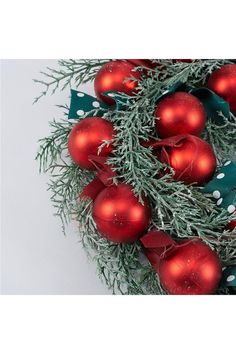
(111, 77)
(223, 82)
(118, 214)
(192, 159)
(190, 268)
(85, 139)
(180, 113)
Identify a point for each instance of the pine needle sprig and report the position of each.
(51, 147)
(222, 138)
(70, 72)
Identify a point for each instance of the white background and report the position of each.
(36, 257)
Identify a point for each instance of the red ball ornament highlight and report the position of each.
(223, 82)
(112, 77)
(180, 113)
(118, 214)
(190, 268)
(192, 159)
(85, 139)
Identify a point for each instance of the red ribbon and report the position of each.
(173, 141)
(155, 244)
(102, 180)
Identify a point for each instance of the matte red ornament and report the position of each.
(223, 82)
(180, 113)
(192, 158)
(112, 77)
(118, 214)
(85, 139)
(190, 268)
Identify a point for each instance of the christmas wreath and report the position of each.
(147, 170)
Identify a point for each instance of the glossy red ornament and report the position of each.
(111, 77)
(118, 214)
(85, 139)
(223, 82)
(180, 113)
(190, 268)
(192, 158)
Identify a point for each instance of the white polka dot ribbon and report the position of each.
(82, 105)
(229, 277)
(223, 187)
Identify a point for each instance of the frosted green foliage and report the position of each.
(181, 210)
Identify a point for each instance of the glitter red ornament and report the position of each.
(85, 139)
(180, 113)
(118, 214)
(192, 158)
(223, 82)
(112, 77)
(190, 268)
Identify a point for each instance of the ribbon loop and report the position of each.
(155, 244)
(213, 104)
(229, 277)
(82, 103)
(104, 178)
(223, 187)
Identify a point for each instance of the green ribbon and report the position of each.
(213, 104)
(228, 277)
(223, 187)
(82, 104)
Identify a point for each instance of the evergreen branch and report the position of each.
(70, 72)
(52, 147)
(222, 138)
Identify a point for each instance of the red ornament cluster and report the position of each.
(190, 267)
(180, 119)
